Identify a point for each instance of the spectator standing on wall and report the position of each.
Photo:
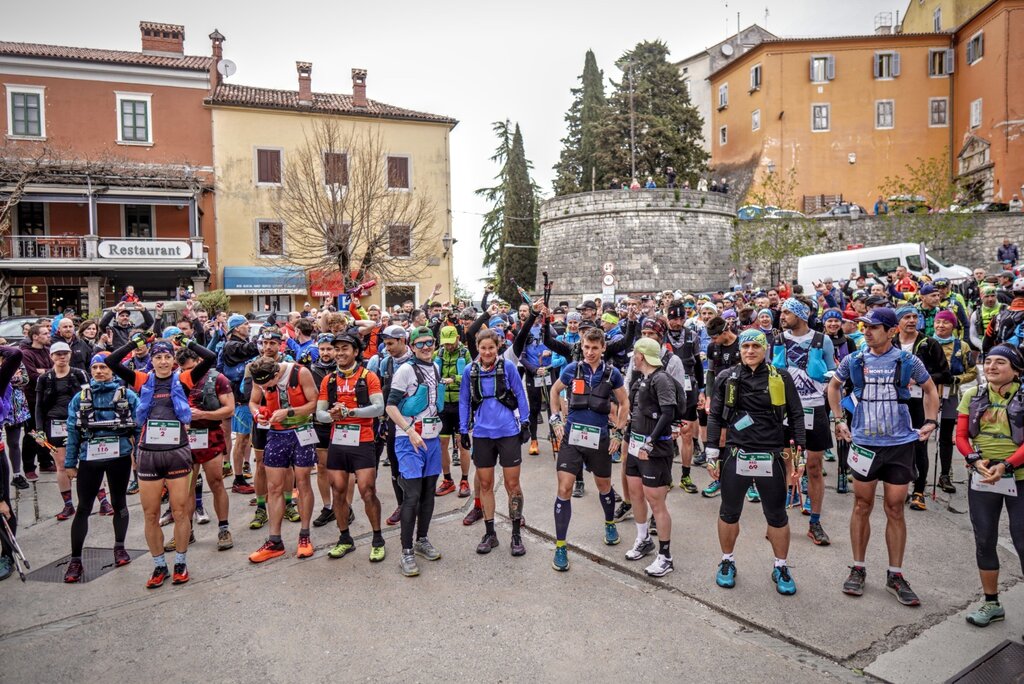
(670, 174)
(1007, 253)
(881, 206)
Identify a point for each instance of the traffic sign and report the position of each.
(608, 267)
(608, 280)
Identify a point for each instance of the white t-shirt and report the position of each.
(406, 382)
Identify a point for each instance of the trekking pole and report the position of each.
(35, 501)
(19, 555)
(522, 292)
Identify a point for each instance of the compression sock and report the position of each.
(663, 548)
(686, 471)
(515, 511)
(287, 497)
(199, 493)
(815, 518)
(67, 497)
(179, 557)
(608, 505)
(261, 501)
(378, 539)
(160, 561)
(489, 525)
(563, 513)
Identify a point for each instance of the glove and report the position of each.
(464, 441)
(141, 339)
(524, 433)
(180, 339)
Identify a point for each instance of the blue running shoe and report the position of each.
(784, 583)
(561, 561)
(711, 490)
(829, 455)
(752, 495)
(726, 575)
(611, 534)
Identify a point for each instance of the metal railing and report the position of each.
(44, 247)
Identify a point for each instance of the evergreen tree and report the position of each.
(490, 231)
(577, 162)
(517, 264)
(667, 125)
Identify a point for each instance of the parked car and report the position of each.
(10, 327)
(844, 209)
(986, 207)
(777, 213)
(749, 212)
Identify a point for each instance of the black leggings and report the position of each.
(916, 407)
(89, 481)
(986, 508)
(5, 496)
(14, 446)
(396, 483)
(417, 507)
(772, 491)
(533, 396)
(947, 429)
(31, 452)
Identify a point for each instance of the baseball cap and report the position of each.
(421, 331)
(235, 321)
(58, 347)
(649, 349)
(884, 317)
(677, 311)
(587, 304)
(941, 282)
(449, 335)
(927, 289)
(394, 332)
(875, 300)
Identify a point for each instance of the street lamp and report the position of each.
(447, 242)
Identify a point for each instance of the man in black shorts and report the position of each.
(685, 343)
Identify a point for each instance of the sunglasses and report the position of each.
(325, 338)
(424, 344)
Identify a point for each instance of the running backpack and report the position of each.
(233, 372)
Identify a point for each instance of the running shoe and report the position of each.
(67, 512)
(671, 484)
(726, 575)
(224, 540)
(226, 469)
(180, 574)
(446, 487)
(623, 512)
(817, 534)
(699, 458)
(806, 507)
(516, 546)
(305, 549)
(167, 518)
(267, 551)
(121, 557)
(561, 561)
(946, 485)
(387, 464)
(341, 549)
(686, 484)
(160, 573)
(259, 519)
(326, 516)
(423, 547)
(618, 497)
(989, 612)
(488, 542)
(854, 584)
(396, 517)
(242, 488)
(408, 564)
(896, 585)
(74, 572)
(201, 517)
(617, 456)
(829, 455)
(31, 476)
(106, 509)
(456, 459)
(534, 447)
(247, 471)
(652, 526)
(641, 548)
(660, 567)
(463, 489)
(611, 534)
(291, 512)
(164, 494)
(133, 487)
(917, 502)
(784, 583)
(578, 489)
(377, 553)
(475, 515)
(752, 495)
(712, 490)
(842, 486)
(19, 482)
(170, 546)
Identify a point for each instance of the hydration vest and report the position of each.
(506, 397)
(122, 425)
(816, 365)
(451, 366)
(418, 402)
(1009, 328)
(208, 399)
(902, 375)
(293, 396)
(234, 373)
(1014, 413)
(596, 397)
(361, 390)
(179, 400)
(776, 392)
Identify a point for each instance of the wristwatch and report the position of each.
(291, 413)
(1008, 468)
(931, 421)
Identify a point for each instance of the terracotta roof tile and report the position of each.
(189, 62)
(229, 94)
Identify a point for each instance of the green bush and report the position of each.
(214, 301)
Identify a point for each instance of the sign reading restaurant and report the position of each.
(126, 249)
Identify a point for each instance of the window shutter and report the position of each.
(876, 63)
(981, 45)
(950, 60)
(812, 69)
(831, 68)
(895, 64)
(970, 52)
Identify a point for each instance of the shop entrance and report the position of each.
(60, 298)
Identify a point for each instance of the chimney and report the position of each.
(305, 70)
(162, 38)
(359, 88)
(217, 41)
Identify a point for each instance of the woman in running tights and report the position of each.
(11, 364)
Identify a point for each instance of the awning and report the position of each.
(264, 280)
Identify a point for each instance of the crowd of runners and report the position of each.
(763, 388)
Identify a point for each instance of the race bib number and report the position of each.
(430, 428)
(1006, 486)
(541, 380)
(635, 442)
(945, 391)
(687, 383)
(585, 436)
(58, 428)
(163, 432)
(199, 439)
(860, 459)
(808, 419)
(345, 435)
(754, 465)
(307, 435)
(103, 448)
(916, 392)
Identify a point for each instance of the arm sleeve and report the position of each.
(376, 407)
(147, 319)
(519, 344)
(555, 345)
(207, 359)
(127, 375)
(105, 321)
(474, 328)
(963, 438)
(39, 414)
(715, 414)
(619, 344)
(512, 379)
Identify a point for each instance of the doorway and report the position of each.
(60, 298)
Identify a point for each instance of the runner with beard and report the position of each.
(685, 344)
(321, 368)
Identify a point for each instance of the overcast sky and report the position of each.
(475, 60)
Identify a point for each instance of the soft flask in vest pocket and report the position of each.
(416, 404)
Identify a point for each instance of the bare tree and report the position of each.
(343, 212)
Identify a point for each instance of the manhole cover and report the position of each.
(95, 562)
(1004, 664)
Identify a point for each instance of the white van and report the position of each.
(878, 260)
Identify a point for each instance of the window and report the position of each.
(25, 107)
(138, 221)
(755, 120)
(940, 62)
(268, 166)
(31, 218)
(398, 173)
(976, 47)
(686, 87)
(723, 96)
(755, 77)
(881, 267)
(884, 113)
(820, 117)
(937, 19)
(723, 135)
(271, 240)
(399, 241)
(976, 113)
(938, 111)
(336, 168)
(134, 123)
(887, 65)
(823, 68)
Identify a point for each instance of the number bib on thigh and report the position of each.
(345, 435)
(541, 380)
(585, 436)
(307, 435)
(808, 419)
(199, 439)
(860, 460)
(430, 428)
(163, 432)
(103, 448)
(754, 464)
(635, 442)
(1006, 486)
(58, 428)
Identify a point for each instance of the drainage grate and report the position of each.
(95, 562)
(1004, 664)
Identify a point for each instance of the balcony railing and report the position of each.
(70, 247)
(44, 247)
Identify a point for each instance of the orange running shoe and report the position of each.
(267, 551)
(305, 549)
(180, 573)
(159, 575)
(534, 447)
(447, 487)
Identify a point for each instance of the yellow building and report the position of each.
(263, 142)
(932, 16)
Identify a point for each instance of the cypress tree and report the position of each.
(520, 225)
(586, 114)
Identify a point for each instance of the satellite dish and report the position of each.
(727, 50)
(226, 67)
